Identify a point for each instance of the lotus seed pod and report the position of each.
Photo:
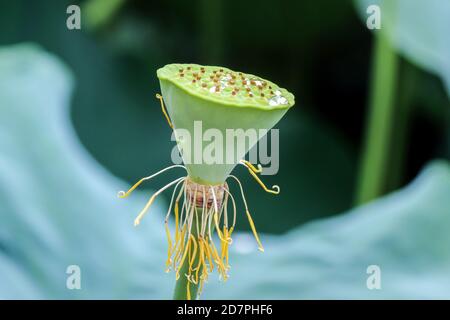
(220, 99)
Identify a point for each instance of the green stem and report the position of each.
(376, 156)
(180, 292)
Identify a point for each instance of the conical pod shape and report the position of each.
(216, 115)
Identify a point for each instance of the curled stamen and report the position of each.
(123, 194)
(161, 100)
(248, 165)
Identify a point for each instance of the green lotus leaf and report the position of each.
(419, 30)
(219, 99)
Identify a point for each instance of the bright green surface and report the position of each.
(186, 106)
(225, 86)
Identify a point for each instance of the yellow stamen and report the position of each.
(188, 245)
(192, 258)
(161, 100)
(169, 241)
(253, 171)
(149, 203)
(201, 259)
(208, 255)
(252, 225)
(250, 166)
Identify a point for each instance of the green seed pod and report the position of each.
(221, 99)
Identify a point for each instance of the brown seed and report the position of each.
(260, 87)
(182, 75)
(248, 89)
(214, 71)
(193, 81)
(232, 82)
(221, 70)
(252, 82)
(204, 85)
(181, 70)
(189, 68)
(233, 93)
(250, 94)
(270, 87)
(271, 92)
(262, 94)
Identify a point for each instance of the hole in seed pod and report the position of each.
(181, 70)
(270, 87)
(204, 85)
(221, 70)
(250, 94)
(262, 94)
(182, 75)
(189, 68)
(193, 81)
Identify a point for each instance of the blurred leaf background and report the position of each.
(78, 107)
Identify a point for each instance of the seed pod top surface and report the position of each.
(228, 87)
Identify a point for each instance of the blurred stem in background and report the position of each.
(399, 142)
(376, 155)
